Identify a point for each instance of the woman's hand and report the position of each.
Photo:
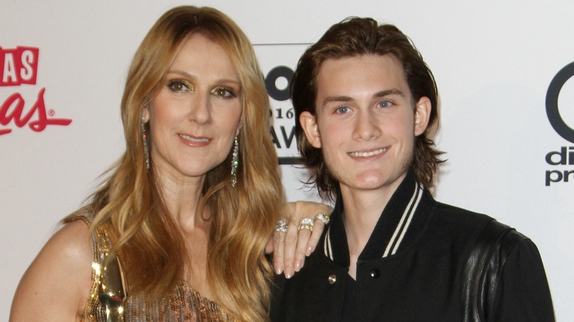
(294, 239)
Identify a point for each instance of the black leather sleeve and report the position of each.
(523, 293)
(505, 279)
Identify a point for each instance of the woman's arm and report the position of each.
(57, 284)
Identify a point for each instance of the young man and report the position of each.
(366, 105)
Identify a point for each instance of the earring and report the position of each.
(144, 136)
(234, 162)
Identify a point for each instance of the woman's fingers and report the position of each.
(278, 247)
(315, 235)
(303, 238)
(298, 237)
(290, 245)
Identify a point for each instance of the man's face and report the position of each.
(365, 121)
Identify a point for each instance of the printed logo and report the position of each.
(20, 67)
(565, 156)
(552, 111)
(278, 62)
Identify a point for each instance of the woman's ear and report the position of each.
(423, 110)
(309, 124)
(145, 114)
(239, 128)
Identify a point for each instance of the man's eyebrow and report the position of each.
(330, 99)
(387, 92)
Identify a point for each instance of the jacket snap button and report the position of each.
(375, 273)
(332, 279)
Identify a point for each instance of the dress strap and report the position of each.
(95, 310)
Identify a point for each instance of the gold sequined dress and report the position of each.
(184, 304)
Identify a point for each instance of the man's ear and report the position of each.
(309, 124)
(423, 110)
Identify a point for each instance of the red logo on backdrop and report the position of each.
(20, 67)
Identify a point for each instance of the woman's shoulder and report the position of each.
(57, 283)
(73, 239)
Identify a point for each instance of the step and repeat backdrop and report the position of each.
(503, 69)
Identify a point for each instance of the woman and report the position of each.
(190, 205)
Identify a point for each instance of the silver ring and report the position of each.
(281, 226)
(323, 217)
(306, 223)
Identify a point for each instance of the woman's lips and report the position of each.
(194, 140)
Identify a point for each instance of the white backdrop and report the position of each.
(493, 62)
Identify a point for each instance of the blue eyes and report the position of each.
(383, 104)
(343, 109)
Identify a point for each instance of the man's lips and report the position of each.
(367, 154)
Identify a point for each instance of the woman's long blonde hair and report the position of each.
(130, 206)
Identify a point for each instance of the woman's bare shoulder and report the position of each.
(74, 238)
(56, 285)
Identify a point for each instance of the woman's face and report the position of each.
(196, 114)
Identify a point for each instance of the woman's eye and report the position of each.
(178, 86)
(223, 92)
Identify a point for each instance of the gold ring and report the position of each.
(323, 217)
(306, 223)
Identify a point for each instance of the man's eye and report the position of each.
(384, 104)
(342, 109)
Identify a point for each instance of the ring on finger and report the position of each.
(306, 223)
(281, 226)
(323, 217)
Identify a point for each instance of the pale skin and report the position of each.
(293, 246)
(56, 285)
(365, 123)
(193, 121)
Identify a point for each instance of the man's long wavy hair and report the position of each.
(350, 38)
(130, 206)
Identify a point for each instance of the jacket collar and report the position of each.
(400, 222)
